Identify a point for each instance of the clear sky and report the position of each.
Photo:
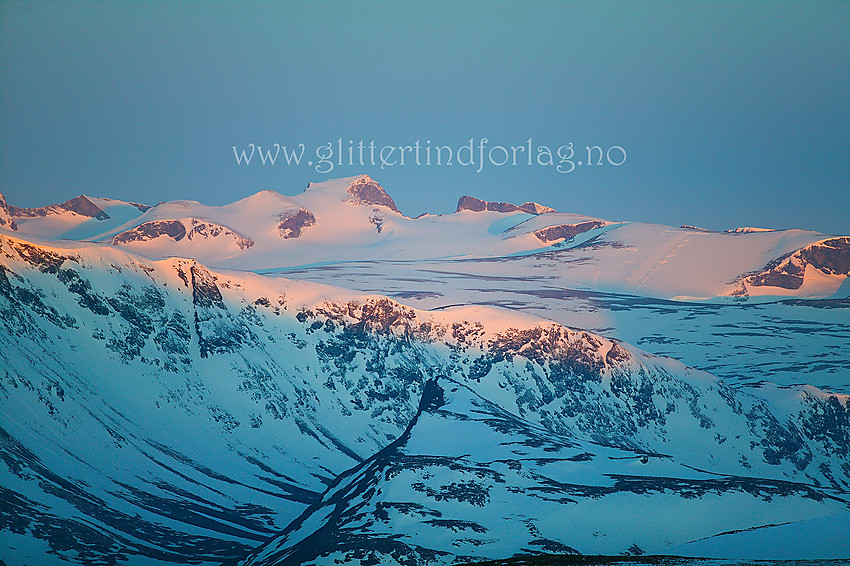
(728, 114)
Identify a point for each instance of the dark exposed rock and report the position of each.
(566, 231)
(830, 256)
(83, 206)
(535, 208)
(292, 225)
(471, 203)
(217, 329)
(13, 313)
(174, 229)
(206, 229)
(205, 292)
(6, 220)
(377, 220)
(477, 205)
(366, 191)
(784, 272)
(787, 272)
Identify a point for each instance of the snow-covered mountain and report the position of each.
(616, 278)
(155, 409)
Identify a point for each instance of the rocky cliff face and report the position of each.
(293, 225)
(478, 205)
(366, 191)
(6, 220)
(565, 231)
(831, 257)
(190, 228)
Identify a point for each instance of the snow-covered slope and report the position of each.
(468, 481)
(109, 359)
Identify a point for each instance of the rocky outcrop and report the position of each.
(177, 230)
(293, 224)
(204, 229)
(831, 257)
(566, 231)
(174, 229)
(366, 191)
(477, 205)
(6, 220)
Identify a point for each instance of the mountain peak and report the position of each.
(365, 190)
(265, 199)
(81, 205)
(84, 206)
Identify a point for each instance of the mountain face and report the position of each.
(468, 480)
(81, 205)
(293, 224)
(365, 190)
(158, 410)
(81, 217)
(189, 228)
(830, 257)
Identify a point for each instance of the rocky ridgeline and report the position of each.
(566, 231)
(190, 228)
(366, 190)
(478, 205)
(787, 272)
(293, 224)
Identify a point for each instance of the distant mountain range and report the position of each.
(355, 219)
(179, 385)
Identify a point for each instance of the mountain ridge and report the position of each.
(355, 219)
(360, 529)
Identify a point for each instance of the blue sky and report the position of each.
(729, 114)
